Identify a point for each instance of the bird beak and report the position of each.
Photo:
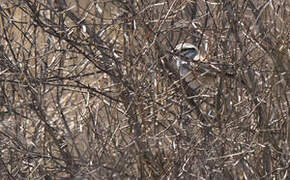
(198, 58)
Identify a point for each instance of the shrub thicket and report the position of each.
(87, 92)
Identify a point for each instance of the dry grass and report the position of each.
(87, 90)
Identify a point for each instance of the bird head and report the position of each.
(186, 53)
(188, 50)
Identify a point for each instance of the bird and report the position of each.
(197, 71)
(190, 67)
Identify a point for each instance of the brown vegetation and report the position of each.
(87, 90)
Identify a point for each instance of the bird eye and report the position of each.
(189, 53)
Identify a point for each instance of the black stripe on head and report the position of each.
(189, 52)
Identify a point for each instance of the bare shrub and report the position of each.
(90, 90)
